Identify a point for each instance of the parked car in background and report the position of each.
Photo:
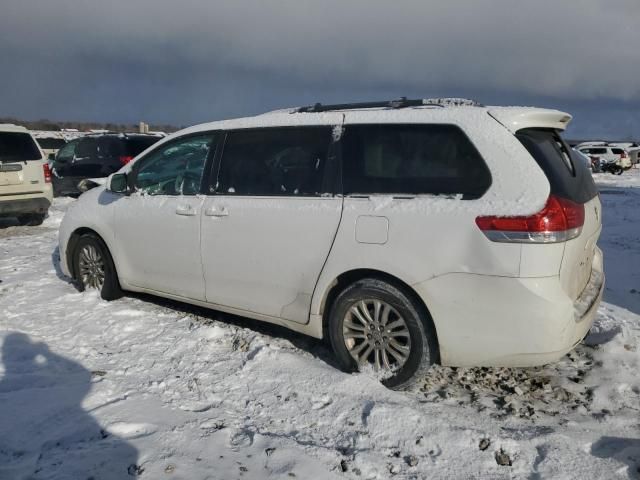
(610, 157)
(403, 231)
(50, 146)
(25, 178)
(624, 160)
(95, 156)
(634, 156)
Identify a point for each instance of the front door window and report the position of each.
(175, 169)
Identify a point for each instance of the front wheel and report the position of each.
(374, 324)
(94, 268)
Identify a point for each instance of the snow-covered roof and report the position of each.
(64, 134)
(513, 118)
(10, 127)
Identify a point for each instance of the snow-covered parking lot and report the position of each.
(156, 389)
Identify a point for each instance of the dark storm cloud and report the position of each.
(189, 61)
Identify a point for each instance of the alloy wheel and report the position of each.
(91, 267)
(375, 333)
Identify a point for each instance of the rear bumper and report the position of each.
(23, 206)
(509, 322)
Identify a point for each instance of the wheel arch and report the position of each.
(351, 276)
(73, 242)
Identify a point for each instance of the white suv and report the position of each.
(608, 154)
(407, 232)
(25, 178)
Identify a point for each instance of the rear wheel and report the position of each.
(31, 219)
(94, 268)
(373, 323)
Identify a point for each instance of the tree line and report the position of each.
(50, 125)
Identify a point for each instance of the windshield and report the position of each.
(18, 147)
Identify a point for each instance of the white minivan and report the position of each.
(407, 232)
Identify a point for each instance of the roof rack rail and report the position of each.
(452, 102)
(402, 102)
(97, 134)
(113, 132)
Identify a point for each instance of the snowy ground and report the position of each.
(155, 389)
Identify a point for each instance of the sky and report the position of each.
(191, 61)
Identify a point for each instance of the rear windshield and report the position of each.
(51, 143)
(135, 145)
(18, 147)
(569, 177)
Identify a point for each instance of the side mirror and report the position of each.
(118, 183)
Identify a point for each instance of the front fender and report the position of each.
(93, 211)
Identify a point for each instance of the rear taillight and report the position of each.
(560, 220)
(124, 159)
(47, 173)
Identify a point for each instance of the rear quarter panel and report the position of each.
(433, 236)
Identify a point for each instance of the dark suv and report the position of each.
(95, 156)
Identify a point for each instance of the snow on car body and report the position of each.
(408, 234)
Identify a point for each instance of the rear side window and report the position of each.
(18, 147)
(412, 159)
(88, 147)
(109, 146)
(274, 161)
(617, 151)
(573, 182)
(135, 145)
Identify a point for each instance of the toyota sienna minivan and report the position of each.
(407, 232)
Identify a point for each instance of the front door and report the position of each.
(158, 226)
(269, 226)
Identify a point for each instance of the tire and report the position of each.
(619, 171)
(31, 219)
(91, 256)
(417, 332)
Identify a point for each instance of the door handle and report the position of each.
(186, 210)
(216, 212)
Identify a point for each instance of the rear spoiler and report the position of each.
(517, 118)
